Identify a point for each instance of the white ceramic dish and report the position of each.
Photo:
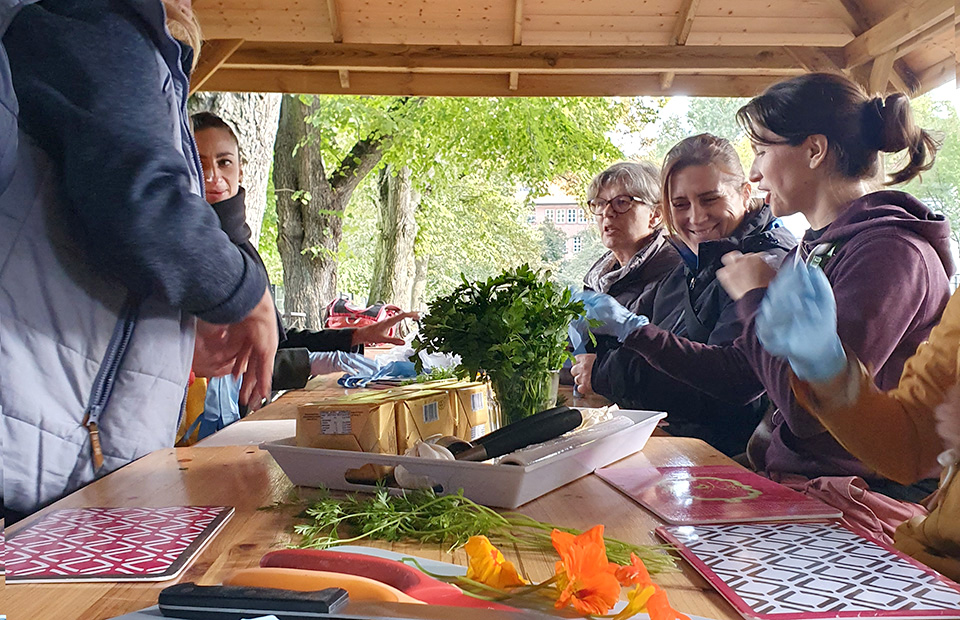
(504, 486)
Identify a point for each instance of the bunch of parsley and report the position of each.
(512, 329)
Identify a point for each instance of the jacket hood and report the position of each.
(895, 209)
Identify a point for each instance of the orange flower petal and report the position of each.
(659, 608)
(488, 566)
(637, 601)
(634, 573)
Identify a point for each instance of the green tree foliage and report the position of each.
(468, 157)
(939, 187)
(573, 269)
(553, 243)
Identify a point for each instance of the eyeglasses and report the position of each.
(620, 204)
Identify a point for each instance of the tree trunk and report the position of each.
(394, 271)
(309, 229)
(422, 263)
(254, 117)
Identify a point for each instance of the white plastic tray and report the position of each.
(505, 486)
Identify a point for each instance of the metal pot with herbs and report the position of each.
(512, 329)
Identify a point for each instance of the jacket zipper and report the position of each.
(103, 383)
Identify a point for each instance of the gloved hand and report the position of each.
(341, 361)
(798, 321)
(617, 320)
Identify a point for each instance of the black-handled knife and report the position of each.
(193, 602)
(538, 428)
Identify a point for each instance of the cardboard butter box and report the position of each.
(423, 414)
(471, 400)
(362, 423)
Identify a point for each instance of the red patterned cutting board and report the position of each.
(111, 544)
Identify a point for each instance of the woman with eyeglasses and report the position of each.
(708, 212)
(625, 201)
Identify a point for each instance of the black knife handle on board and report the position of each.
(193, 602)
(538, 428)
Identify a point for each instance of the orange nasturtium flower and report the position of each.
(659, 608)
(488, 566)
(636, 601)
(584, 576)
(634, 573)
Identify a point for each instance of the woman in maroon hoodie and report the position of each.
(817, 140)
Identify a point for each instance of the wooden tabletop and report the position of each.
(248, 479)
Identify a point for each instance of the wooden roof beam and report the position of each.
(489, 85)
(212, 56)
(895, 30)
(514, 76)
(336, 33)
(853, 15)
(681, 32)
(507, 58)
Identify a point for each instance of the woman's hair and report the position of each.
(209, 120)
(184, 27)
(701, 150)
(639, 179)
(857, 127)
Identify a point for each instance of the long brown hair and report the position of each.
(857, 127)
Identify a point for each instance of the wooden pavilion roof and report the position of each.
(569, 47)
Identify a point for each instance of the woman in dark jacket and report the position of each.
(708, 212)
(301, 353)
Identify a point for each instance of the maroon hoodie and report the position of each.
(889, 271)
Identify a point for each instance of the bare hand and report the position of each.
(211, 358)
(582, 373)
(742, 273)
(378, 332)
(255, 338)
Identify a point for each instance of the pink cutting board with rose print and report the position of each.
(713, 494)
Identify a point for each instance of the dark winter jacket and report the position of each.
(692, 304)
(889, 272)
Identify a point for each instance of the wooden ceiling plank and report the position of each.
(681, 29)
(813, 59)
(924, 37)
(518, 22)
(896, 29)
(880, 72)
(508, 58)
(212, 56)
(327, 82)
(941, 72)
(336, 29)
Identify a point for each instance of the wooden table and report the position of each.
(248, 478)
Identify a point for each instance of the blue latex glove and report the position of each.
(798, 321)
(325, 362)
(578, 333)
(617, 320)
(393, 370)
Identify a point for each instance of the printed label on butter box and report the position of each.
(431, 412)
(478, 431)
(476, 402)
(335, 423)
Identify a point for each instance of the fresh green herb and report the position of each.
(511, 329)
(425, 517)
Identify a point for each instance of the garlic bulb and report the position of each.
(425, 451)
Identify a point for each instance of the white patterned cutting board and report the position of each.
(793, 571)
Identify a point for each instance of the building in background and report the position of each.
(566, 214)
